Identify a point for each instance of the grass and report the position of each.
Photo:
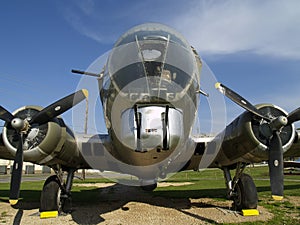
(209, 183)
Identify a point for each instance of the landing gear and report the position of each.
(56, 195)
(51, 195)
(148, 185)
(241, 189)
(246, 193)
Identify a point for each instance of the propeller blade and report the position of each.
(276, 166)
(5, 115)
(59, 107)
(16, 175)
(294, 116)
(239, 100)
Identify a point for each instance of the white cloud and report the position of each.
(262, 27)
(270, 27)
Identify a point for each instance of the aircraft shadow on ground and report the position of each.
(89, 205)
(117, 196)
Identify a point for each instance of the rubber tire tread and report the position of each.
(49, 194)
(249, 198)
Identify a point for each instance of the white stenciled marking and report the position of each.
(244, 102)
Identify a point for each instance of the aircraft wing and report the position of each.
(68, 150)
(94, 151)
(39, 135)
(236, 144)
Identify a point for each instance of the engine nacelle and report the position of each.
(294, 151)
(50, 143)
(243, 140)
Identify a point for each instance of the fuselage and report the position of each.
(149, 95)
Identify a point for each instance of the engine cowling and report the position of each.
(244, 142)
(294, 151)
(50, 143)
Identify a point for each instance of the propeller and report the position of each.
(276, 166)
(16, 175)
(270, 130)
(22, 126)
(239, 100)
(5, 115)
(294, 116)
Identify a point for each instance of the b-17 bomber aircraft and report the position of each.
(149, 90)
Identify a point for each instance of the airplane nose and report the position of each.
(151, 127)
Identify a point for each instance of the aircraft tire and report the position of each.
(149, 187)
(246, 193)
(50, 197)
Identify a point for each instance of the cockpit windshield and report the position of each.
(152, 60)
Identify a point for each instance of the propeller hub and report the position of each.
(267, 129)
(278, 123)
(20, 125)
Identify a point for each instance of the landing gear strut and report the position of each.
(241, 189)
(148, 185)
(56, 194)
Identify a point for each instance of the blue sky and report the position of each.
(251, 46)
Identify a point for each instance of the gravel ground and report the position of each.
(128, 205)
